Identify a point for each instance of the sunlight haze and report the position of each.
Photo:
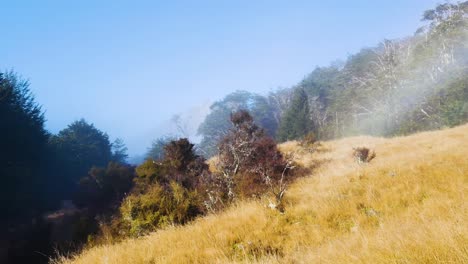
(129, 67)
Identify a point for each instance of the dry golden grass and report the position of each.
(406, 206)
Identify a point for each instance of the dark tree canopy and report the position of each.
(296, 122)
(179, 153)
(78, 148)
(104, 186)
(119, 151)
(23, 142)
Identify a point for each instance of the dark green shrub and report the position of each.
(169, 191)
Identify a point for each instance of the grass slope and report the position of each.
(406, 206)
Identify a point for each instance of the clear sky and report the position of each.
(128, 66)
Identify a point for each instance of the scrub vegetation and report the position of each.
(285, 177)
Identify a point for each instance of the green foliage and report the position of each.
(296, 121)
(156, 151)
(400, 86)
(168, 191)
(23, 154)
(320, 83)
(158, 207)
(180, 164)
(78, 148)
(213, 129)
(178, 154)
(84, 145)
(445, 108)
(119, 151)
(104, 187)
(149, 170)
(217, 124)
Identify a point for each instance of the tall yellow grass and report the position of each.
(406, 206)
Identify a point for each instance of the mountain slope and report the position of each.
(405, 206)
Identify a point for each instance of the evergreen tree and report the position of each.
(23, 142)
(296, 121)
(119, 151)
(79, 147)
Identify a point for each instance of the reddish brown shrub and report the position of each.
(363, 154)
(250, 162)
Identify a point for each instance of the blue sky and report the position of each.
(129, 66)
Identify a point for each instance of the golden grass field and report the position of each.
(408, 205)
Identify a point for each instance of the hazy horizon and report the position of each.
(129, 68)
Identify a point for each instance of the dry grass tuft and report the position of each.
(407, 206)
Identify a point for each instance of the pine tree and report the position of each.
(119, 151)
(23, 141)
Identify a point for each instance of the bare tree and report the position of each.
(181, 125)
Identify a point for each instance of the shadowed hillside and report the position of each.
(405, 206)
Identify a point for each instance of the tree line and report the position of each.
(398, 87)
(74, 188)
(40, 170)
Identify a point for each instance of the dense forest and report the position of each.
(74, 188)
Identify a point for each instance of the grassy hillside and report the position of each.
(406, 206)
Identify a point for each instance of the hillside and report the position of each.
(398, 87)
(405, 206)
